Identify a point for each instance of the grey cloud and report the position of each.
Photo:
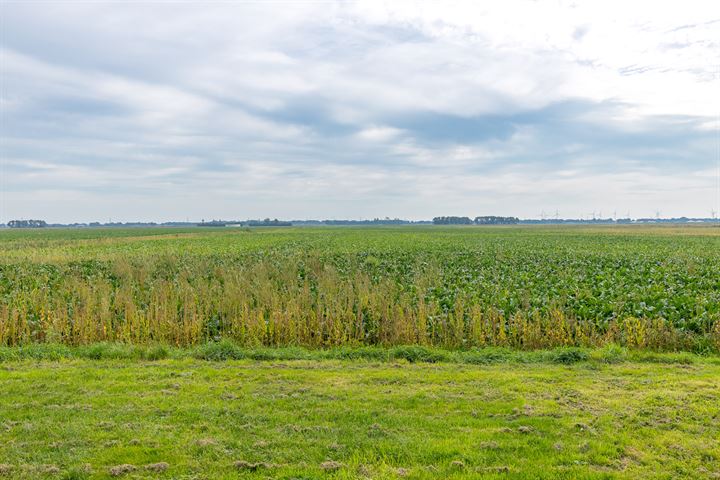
(246, 103)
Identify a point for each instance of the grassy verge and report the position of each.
(228, 350)
(185, 418)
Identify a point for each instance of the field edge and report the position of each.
(228, 350)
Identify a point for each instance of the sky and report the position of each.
(162, 111)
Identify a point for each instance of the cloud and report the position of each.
(358, 109)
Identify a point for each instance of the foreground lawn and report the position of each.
(193, 419)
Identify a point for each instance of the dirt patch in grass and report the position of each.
(158, 467)
(331, 466)
(123, 469)
(50, 469)
(206, 442)
(251, 466)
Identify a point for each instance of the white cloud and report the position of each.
(360, 108)
(378, 134)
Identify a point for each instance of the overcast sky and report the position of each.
(167, 111)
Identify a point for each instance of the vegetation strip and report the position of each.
(228, 350)
(645, 287)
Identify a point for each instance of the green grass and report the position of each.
(611, 413)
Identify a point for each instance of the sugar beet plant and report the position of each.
(645, 287)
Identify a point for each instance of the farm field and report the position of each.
(412, 352)
(527, 287)
(394, 262)
(185, 418)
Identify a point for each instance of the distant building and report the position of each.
(27, 224)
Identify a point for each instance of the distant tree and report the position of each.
(212, 223)
(452, 221)
(375, 221)
(493, 220)
(268, 223)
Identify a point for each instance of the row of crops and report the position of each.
(525, 287)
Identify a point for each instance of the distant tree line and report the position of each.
(452, 221)
(486, 220)
(246, 223)
(267, 223)
(493, 220)
(572, 221)
(212, 223)
(449, 220)
(27, 224)
(374, 221)
(614, 221)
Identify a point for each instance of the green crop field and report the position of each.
(651, 287)
(360, 353)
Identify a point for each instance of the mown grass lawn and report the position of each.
(193, 419)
